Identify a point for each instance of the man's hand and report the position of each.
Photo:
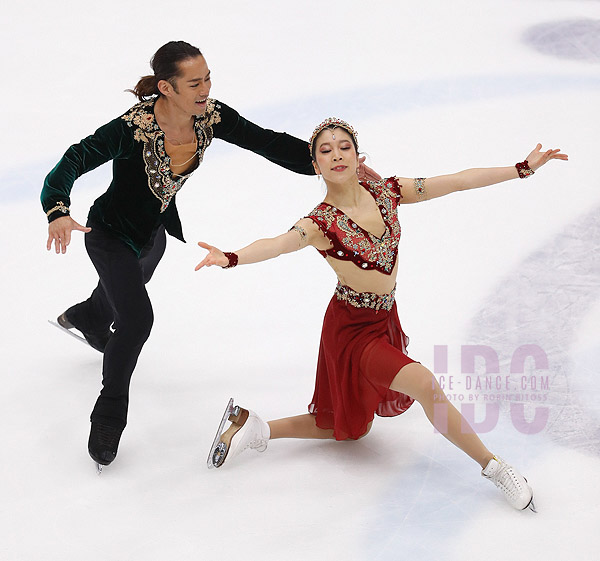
(59, 231)
(365, 173)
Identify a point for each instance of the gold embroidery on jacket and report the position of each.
(161, 180)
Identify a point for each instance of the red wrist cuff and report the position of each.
(523, 169)
(233, 260)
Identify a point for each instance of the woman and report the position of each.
(155, 147)
(363, 367)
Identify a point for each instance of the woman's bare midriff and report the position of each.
(363, 281)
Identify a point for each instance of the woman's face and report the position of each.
(335, 156)
(191, 88)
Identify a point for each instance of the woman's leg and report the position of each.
(419, 383)
(301, 426)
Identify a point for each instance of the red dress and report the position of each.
(362, 343)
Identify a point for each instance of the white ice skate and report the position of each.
(247, 430)
(514, 486)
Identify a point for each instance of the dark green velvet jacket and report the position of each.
(142, 192)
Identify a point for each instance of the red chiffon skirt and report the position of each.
(361, 351)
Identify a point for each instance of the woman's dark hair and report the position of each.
(165, 64)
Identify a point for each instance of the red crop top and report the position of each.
(351, 242)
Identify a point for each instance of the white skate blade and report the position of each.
(99, 468)
(210, 462)
(68, 331)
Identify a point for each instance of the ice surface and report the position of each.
(432, 87)
(576, 39)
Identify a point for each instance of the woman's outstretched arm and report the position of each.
(441, 185)
(302, 234)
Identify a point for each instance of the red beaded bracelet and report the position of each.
(232, 258)
(523, 169)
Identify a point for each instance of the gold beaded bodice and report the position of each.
(350, 242)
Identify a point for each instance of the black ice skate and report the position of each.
(247, 430)
(103, 444)
(95, 341)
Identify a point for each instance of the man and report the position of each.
(155, 146)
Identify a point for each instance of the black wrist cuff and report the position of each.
(57, 214)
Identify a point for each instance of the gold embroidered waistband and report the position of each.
(365, 299)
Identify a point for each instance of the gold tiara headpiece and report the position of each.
(332, 123)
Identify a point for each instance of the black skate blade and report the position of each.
(69, 332)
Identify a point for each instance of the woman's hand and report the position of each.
(537, 158)
(215, 257)
(59, 232)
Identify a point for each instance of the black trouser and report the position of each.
(120, 300)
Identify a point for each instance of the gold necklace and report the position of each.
(189, 159)
(183, 164)
(179, 142)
